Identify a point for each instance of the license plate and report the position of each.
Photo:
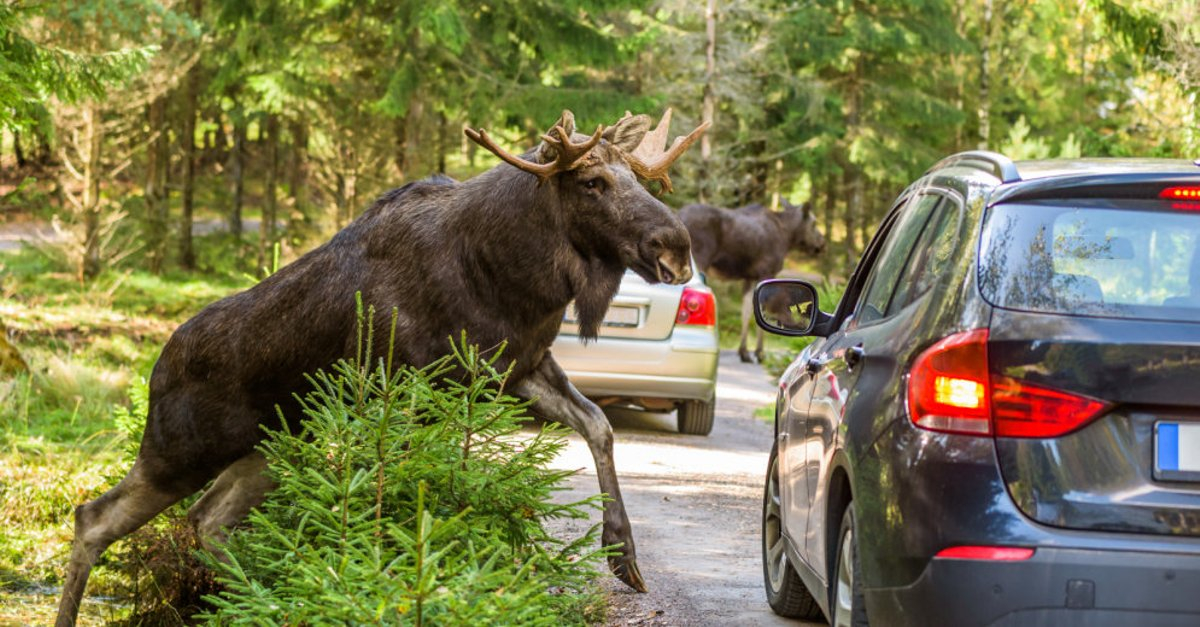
(1177, 451)
(616, 316)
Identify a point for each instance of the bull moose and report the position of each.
(749, 244)
(498, 256)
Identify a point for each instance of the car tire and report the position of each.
(786, 594)
(846, 604)
(695, 417)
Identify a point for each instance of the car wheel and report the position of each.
(786, 594)
(696, 417)
(847, 604)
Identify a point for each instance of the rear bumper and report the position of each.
(1057, 586)
(681, 367)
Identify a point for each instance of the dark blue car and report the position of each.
(999, 424)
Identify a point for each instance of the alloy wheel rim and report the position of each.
(773, 554)
(844, 601)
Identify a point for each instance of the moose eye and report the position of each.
(593, 184)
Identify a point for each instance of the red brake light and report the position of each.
(1181, 193)
(697, 306)
(948, 385)
(951, 389)
(994, 553)
(1023, 410)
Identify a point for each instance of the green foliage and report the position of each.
(130, 420)
(407, 498)
(31, 73)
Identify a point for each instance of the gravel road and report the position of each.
(694, 503)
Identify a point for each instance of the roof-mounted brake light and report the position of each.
(1181, 193)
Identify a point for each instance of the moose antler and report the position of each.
(650, 161)
(567, 153)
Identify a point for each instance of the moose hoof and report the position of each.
(758, 356)
(626, 569)
(745, 356)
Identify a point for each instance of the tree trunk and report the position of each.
(266, 230)
(710, 99)
(90, 263)
(156, 206)
(400, 128)
(299, 218)
(237, 173)
(220, 140)
(187, 135)
(412, 137)
(848, 216)
(17, 150)
(442, 140)
(854, 175)
(985, 97)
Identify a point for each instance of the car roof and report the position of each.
(1005, 180)
(1047, 168)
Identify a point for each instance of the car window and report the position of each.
(893, 257)
(932, 255)
(1117, 259)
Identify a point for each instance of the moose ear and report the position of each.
(566, 121)
(628, 132)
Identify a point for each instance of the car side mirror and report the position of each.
(787, 307)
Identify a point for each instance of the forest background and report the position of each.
(159, 154)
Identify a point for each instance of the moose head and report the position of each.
(594, 182)
(802, 226)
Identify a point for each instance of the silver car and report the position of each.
(657, 351)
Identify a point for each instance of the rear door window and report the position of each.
(932, 255)
(1119, 259)
(893, 258)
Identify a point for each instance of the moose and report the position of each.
(749, 244)
(498, 256)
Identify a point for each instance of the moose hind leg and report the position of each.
(116, 513)
(747, 317)
(238, 489)
(556, 399)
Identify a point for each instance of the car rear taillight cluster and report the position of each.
(697, 306)
(951, 389)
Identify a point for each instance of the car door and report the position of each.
(856, 372)
(810, 381)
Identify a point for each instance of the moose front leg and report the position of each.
(556, 399)
(748, 322)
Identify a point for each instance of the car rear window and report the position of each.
(1120, 259)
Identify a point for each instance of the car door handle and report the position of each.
(854, 356)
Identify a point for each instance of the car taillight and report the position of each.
(1023, 410)
(697, 306)
(948, 385)
(951, 389)
(992, 553)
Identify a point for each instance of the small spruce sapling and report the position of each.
(409, 497)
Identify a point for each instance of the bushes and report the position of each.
(407, 498)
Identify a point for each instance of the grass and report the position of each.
(59, 446)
